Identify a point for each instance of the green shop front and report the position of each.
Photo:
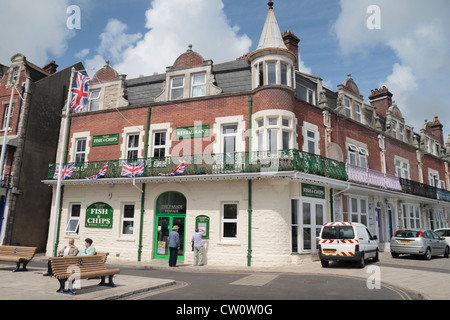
(170, 211)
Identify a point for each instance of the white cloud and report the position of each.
(417, 32)
(114, 41)
(173, 25)
(47, 36)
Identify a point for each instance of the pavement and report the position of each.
(32, 285)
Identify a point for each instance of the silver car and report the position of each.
(421, 242)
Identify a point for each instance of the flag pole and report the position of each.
(61, 161)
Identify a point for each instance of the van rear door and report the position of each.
(338, 240)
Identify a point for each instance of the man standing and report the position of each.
(174, 245)
(198, 247)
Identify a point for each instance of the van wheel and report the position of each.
(376, 258)
(427, 255)
(324, 263)
(362, 261)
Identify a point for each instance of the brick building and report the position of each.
(270, 155)
(29, 133)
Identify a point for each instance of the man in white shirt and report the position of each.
(198, 247)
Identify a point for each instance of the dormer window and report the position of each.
(176, 88)
(94, 100)
(273, 72)
(198, 85)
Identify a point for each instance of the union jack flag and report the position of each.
(132, 170)
(178, 170)
(66, 171)
(99, 174)
(80, 93)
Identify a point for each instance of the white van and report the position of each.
(340, 241)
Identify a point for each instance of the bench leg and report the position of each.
(24, 266)
(110, 282)
(62, 285)
(17, 268)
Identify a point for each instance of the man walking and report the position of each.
(174, 245)
(198, 247)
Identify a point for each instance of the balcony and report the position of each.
(261, 162)
(240, 162)
(372, 178)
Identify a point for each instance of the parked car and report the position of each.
(422, 242)
(444, 233)
(341, 241)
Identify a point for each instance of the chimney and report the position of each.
(291, 41)
(436, 130)
(381, 99)
(51, 67)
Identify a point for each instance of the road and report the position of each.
(324, 285)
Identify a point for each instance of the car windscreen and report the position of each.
(406, 234)
(338, 232)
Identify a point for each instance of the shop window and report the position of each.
(229, 221)
(355, 209)
(74, 218)
(411, 216)
(127, 219)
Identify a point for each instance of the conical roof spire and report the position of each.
(271, 35)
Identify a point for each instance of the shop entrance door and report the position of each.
(164, 227)
(170, 212)
(308, 216)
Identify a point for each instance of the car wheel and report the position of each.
(362, 261)
(427, 255)
(376, 258)
(324, 263)
(394, 254)
(446, 252)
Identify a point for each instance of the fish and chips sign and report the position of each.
(99, 215)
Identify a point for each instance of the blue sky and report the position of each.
(409, 53)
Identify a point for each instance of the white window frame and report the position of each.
(401, 167)
(357, 107)
(228, 220)
(78, 152)
(358, 156)
(198, 85)
(94, 100)
(7, 115)
(159, 146)
(433, 177)
(70, 228)
(128, 131)
(348, 107)
(127, 220)
(173, 88)
(132, 148)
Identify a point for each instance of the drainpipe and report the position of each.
(143, 185)
(249, 252)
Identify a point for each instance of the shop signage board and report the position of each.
(105, 139)
(202, 223)
(313, 191)
(99, 215)
(192, 132)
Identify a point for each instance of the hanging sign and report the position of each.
(99, 215)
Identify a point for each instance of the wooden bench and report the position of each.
(17, 254)
(71, 268)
